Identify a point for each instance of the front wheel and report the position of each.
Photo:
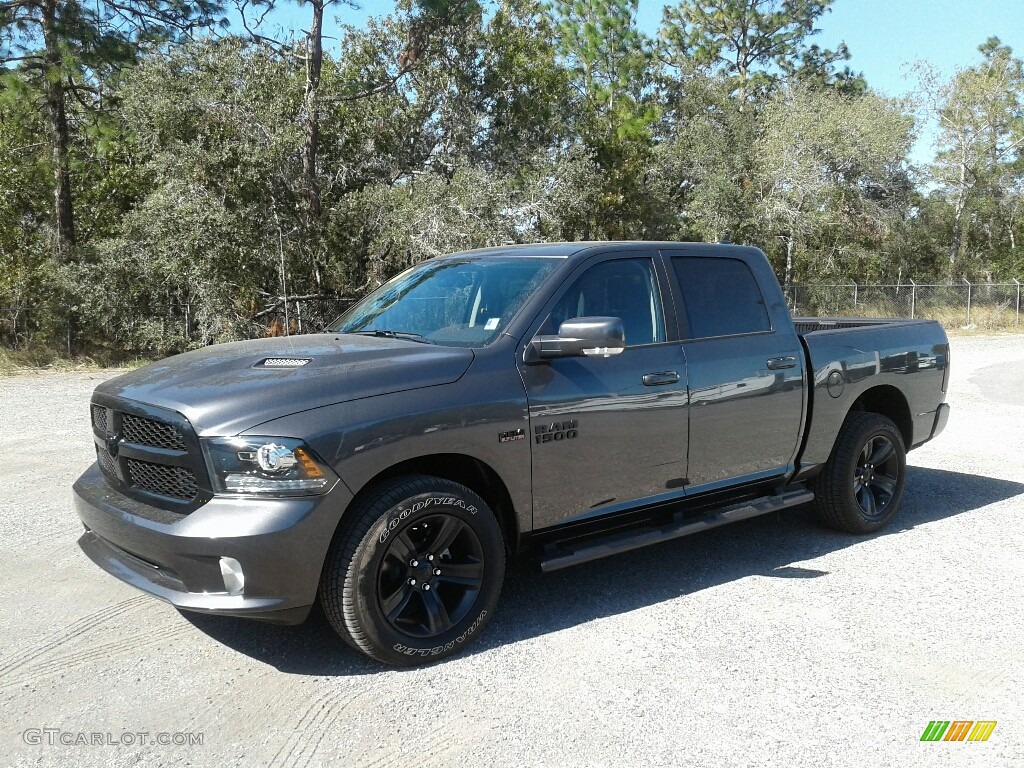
(416, 573)
(861, 486)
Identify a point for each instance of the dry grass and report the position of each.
(983, 319)
(954, 319)
(14, 361)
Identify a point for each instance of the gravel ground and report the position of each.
(766, 643)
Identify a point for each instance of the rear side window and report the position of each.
(721, 297)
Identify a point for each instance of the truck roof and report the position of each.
(579, 249)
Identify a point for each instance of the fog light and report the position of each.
(234, 579)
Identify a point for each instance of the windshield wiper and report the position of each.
(388, 334)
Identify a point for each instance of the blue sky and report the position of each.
(885, 37)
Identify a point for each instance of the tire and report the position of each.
(415, 573)
(860, 488)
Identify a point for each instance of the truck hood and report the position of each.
(224, 389)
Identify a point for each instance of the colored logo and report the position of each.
(958, 730)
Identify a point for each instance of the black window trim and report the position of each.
(662, 284)
(682, 319)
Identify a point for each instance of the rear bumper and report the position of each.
(280, 544)
(930, 425)
(941, 417)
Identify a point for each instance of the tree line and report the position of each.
(169, 180)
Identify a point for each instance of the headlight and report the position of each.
(266, 466)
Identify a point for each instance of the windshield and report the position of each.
(461, 301)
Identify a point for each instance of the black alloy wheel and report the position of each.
(415, 570)
(860, 487)
(876, 476)
(430, 576)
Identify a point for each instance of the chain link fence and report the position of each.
(989, 306)
(169, 328)
(15, 326)
(295, 316)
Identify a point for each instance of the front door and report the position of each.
(607, 431)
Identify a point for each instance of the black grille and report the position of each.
(106, 462)
(99, 418)
(149, 454)
(176, 482)
(148, 432)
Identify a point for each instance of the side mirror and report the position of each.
(581, 336)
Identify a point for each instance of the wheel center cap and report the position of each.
(422, 571)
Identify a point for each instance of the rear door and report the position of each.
(607, 431)
(745, 374)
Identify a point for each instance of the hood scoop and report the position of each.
(283, 362)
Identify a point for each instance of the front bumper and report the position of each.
(280, 544)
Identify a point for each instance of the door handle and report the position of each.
(657, 379)
(778, 363)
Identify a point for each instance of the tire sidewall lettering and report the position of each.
(405, 513)
(439, 649)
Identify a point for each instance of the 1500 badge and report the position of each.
(511, 435)
(558, 430)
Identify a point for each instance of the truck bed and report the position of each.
(805, 325)
(900, 365)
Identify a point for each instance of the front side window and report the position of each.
(721, 297)
(460, 301)
(623, 288)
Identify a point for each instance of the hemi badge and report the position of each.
(515, 434)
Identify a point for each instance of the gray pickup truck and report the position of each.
(573, 400)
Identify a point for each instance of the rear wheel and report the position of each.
(416, 574)
(861, 486)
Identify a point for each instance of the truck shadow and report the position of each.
(534, 604)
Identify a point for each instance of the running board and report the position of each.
(558, 556)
